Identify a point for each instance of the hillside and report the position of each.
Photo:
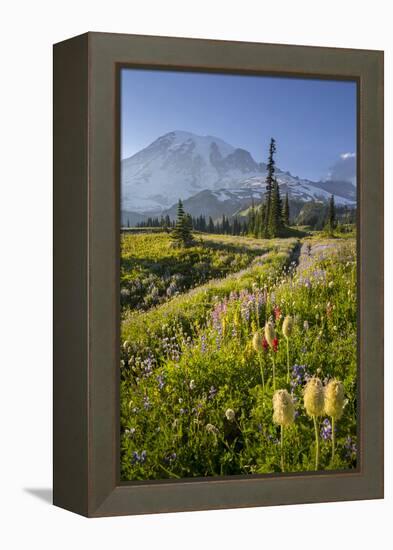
(211, 177)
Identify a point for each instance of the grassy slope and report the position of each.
(152, 270)
(180, 342)
(190, 306)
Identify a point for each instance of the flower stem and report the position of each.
(333, 438)
(261, 369)
(316, 443)
(274, 372)
(287, 360)
(282, 448)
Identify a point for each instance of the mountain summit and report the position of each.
(179, 165)
(184, 165)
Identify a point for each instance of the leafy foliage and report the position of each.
(192, 402)
(153, 271)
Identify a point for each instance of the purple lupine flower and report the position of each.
(245, 312)
(148, 365)
(350, 447)
(169, 459)
(135, 457)
(298, 376)
(326, 430)
(160, 381)
(146, 403)
(212, 392)
(203, 343)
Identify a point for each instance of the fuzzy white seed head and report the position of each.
(283, 409)
(270, 333)
(287, 326)
(257, 342)
(334, 399)
(314, 397)
(211, 429)
(230, 415)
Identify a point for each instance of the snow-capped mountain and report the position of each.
(179, 165)
(211, 176)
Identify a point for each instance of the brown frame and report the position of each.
(86, 274)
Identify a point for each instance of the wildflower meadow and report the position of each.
(238, 355)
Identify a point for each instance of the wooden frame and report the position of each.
(86, 274)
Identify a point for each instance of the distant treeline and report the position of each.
(314, 215)
(272, 217)
(225, 225)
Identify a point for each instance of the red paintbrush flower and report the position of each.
(277, 313)
(275, 344)
(265, 345)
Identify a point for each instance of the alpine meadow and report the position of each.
(238, 290)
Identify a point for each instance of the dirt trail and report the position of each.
(311, 252)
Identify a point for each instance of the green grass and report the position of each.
(152, 270)
(189, 360)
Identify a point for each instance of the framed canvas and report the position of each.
(218, 274)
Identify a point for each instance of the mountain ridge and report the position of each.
(223, 178)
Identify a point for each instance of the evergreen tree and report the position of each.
(257, 223)
(210, 226)
(285, 212)
(275, 223)
(263, 219)
(182, 232)
(251, 219)
(271, 168)
(331, 216)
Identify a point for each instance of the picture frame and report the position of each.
(86, 478)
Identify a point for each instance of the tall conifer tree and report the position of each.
(285, 212)
(271, 168)
(331, 215)
(275, 222)
(182, 232)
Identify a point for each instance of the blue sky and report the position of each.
(313, 121)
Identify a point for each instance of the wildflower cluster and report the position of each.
(242, 374)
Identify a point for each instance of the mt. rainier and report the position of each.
(183, 165)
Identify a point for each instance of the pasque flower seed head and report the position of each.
(334, 399)
(283, 409)
(314, 397)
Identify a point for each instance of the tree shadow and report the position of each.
(44, 494)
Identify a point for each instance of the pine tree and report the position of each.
(257, 223)
(251, 219)
(285, 212)
(182, 232)
(263, 219)
(210, 226)
(271, 168)
(275, 222)
(331, 216)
